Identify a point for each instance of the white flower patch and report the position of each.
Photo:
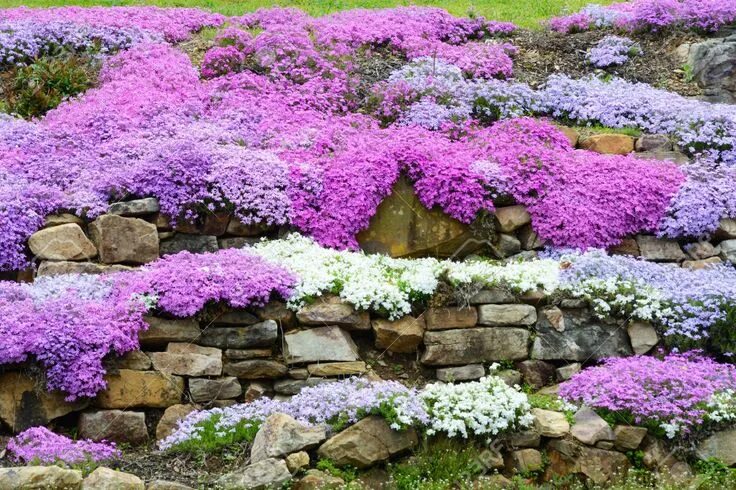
(486, 407)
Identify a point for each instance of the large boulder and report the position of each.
(402, 226)
(475, 345)
(369, 441)
(128, 389)
(583, 337)
(713, 63)
(24, 404)
(114, 425)
(40, 477)
(124, 240)
(281, 435)
(106, 479)
(269, 473)
(321, 344)
(63, 242)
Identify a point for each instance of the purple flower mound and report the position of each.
(175, 24)
(613, 51)
(39, 445)
(650, 15)
(182, 284)
(70, 324)
(670, 391)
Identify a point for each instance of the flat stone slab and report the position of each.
(322, 344)
(475, 345)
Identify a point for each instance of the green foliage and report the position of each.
(712, 473)
(33, 90)
(439, 464)
(525, 13)
(212, 439)
(347, 473)
(721, 337)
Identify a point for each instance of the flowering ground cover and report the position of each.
(678, 394)
(279, 127)
(39, 445)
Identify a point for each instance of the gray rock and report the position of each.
(511, 218)
(161, 331)
(713, 63)
(450, 317)
(567, 371)
(322, 344)
(236, 242)
(492, 296)
(262, 334)
(330, 311)
(508, 245)
(726, 229)
(190, 243)
(584, 338)
(206, 390)
(114, 425)
(510, 376)
(526, 460)
(49, 268)
(728, 250)
(506, 315)
(659, 249)
(166, 485)
(643, 337)
(461, 373)
(297, 461)
(294, 386)
(589, 428)
(281, 435)
(124, 240)
(369, 441)
(135, 360)
(186, 364)
(40, 477)
(269, 473)
(536, 373)
(63, 242)
(137, 207)
(475, 345)
(256, 369)
(529, 238)
(247, 354)
(653, 142)
(701, 250)
(628, 437)
(106, 479)
(527, 438)
(720, 446)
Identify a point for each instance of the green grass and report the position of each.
(525, 13)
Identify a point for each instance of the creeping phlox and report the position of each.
(677, 394)
(40, 445)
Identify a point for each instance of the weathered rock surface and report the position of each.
(713, 63)
(23, 404)
(526, 460)
(113, 425)
(653, 142)
(137, 207)
(107, 479)
(171, 418)
(62, 219)
(321, 344)
(721, 446)
(726, 229)
(318, 480)
(474, 345)
(269, 473)
(563, 373)
(331, 312)
(589, 427)
(297, 461)
(584, 338)
(728, 250)
(659, 249)
(403, 335)
(511, 218)
(262, 334)
(447, 318)
(461, 373)
(205, 390)
(506, 315)
(40, 477)
(124, 240)
(161, 331)
(369, 441)
(50, 268)
(281, 435)
(536, 373)
(189, 242)
(492, 296)
(188, 360)
(256, 369)
(402, 226)
(294, 386)
(612, 144)
(166, 485)
(643, 337)
(63, 242)
(628, 437)
(128, 389)
(549, 423)
(337, 368)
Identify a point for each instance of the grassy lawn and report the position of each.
(525, 13)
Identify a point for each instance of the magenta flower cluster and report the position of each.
(38, 445)
(71, 324)
(671, 391)
(650, 15)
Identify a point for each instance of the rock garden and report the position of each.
(374, 249)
